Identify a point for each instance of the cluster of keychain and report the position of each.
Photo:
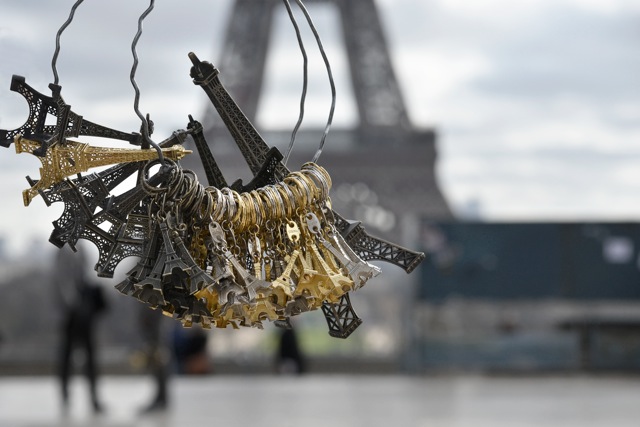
(216, 256)
(226, 258)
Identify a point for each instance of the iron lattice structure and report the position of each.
(384, 133)
(379, 100)
(72, 157)
(68, 123)
(224, 255)
(383, 137)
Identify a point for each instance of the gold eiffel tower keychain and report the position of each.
(216, 255)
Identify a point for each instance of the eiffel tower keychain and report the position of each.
(217, 254)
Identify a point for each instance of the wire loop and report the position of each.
(145, 128)
(64, 26)
(305, 80)
(329, 74)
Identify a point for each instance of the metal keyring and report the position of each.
(218, 205)
(288, 200)
(319, 170)
(320, 179)
(144, 177)
(312, 190)
(230, 206)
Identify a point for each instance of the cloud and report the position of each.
(564, 53)
(535, 102)
(551, 185)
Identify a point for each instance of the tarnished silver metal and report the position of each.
(145, 265)
(150, 289)
(198, 278)
(254, 149)
(173, 264)
(245, 279)
(359, 270)
(227, 289)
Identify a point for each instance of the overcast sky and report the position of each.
(536, 102)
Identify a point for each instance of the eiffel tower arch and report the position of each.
(384, 157)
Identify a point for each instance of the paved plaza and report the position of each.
(335, 401)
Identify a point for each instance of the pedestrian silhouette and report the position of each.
(190, 351)
(81, 302)
(157, 356)
(289, 358)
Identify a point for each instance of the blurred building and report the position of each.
(528, 296)
(383, 168)
(382, 171)
(489, 296)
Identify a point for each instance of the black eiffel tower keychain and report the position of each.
(223, 255)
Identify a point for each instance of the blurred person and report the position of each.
(80, 302)
(157, 356)
(289, 358)
(190, 349)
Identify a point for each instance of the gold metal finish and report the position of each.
(221, 257)
(72, 157)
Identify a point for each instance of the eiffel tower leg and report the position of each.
(68, 123)
(341, 318)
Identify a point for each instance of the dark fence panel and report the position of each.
(531, 260)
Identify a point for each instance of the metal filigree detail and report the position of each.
(70, 158)
(341, 318)
(256, 153)
(223, 256)
(41, 106)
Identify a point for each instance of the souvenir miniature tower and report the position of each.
(384, 138)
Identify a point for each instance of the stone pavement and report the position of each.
(335, 401)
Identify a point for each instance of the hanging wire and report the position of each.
(329, 74)
(136, 101)
(64, 26)
(304, 81)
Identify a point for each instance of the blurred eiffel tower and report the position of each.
(383, 169)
